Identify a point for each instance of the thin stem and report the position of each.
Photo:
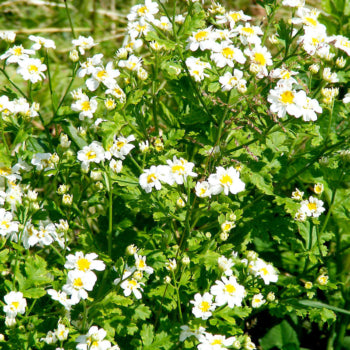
(68, 88)
(110, 215)
(12, 83)
(50, 82)
(178, 296)
(154, 97)
(3, 135)
(69, 19)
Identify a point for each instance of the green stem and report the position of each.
(50, 82)
(12, 83)
(69, 18)
(110, 215)
(154, 97)
(178, 297)
(3, 135)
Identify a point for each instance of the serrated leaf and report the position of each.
(147, 334)
(142, 312)
(34, 293)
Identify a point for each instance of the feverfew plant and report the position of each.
(182, 185)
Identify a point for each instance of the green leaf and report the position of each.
(142, 312)
(34, 293)
(147, 334)
(36, 272)
(73, 134)
(259, 181)
(280, 336)
(320, 305)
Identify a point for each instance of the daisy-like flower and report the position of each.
(133, 63)
(297, 194)
(285, 76)
(6, 106)
(117, 92)
(249, 34)
(227, 226)
(329, 76)
(312, 207)
(229, 81)
(179, 170)
(225, 265)
(93, 153)
(215, 342)
(300, 216)
(145, 11)
(308, 17)
(7, 226)
(40, 41)
(258, 300)
(228, 291)
(187, 332)
(196, 68)
(131, 285)
(31, 69)
(314, 40)
(171, 265)
(203, 306)
(151, 178)
(8, 36)
(202, 189)
(136, 30)
(46, 234)
(310, 108)
(16, 53)
(102, 75)
(342, 43)
(43, 161)
(83, 43)
(232, 17)
(225, 53)
(266, 271)
(203, 39)
(260, 57)
(293, 3)
(284, 100)
(140, 264)
(93, 340)
(121, 147)
(226, 180)
(322, 279)
(15, 304)
(84, 263)
(62, 298)
(61, 332)
(78, 283)
(163, 23)
(86, 106)
(318, 188)
(89, 66)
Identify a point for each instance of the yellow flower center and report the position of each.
(83, 264)
(85, 106)
(226, 179)
(202, 35)
(312, 206)
(5, 171)
(216, 342)
(141, 264)
(142, 10)
(285, 75)
(227, 52)
(5, 223)
(78, 283)
(90, 155)
(311, 21)
(18, 51)
(229, 288)
(227, 227)
(33, 69)
(264, 271)
(151, 178)
(248, 31)
(205, 306)
(120, 144)
(178, 169)
(101, 74)
(202, 191)
(235, 16)
(15, 304)
(132, 284)
(259, 59)
(287, 97)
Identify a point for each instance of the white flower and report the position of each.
(163, 23)
(226, 180)
(50, 338)
(232, 17)
(116, 165)
(89, 66)
(225, 265)
(31, 69)
(308, 18)
(8, 36)
(133, 63)
(16, 53)
(342, 43)
(228, 291)
(258, 300)
(293, 3)
(171, 265)
(62, 298)
(309, 109)
(260, 57)
(297, 194)
(196, 68)
(150, 178)
(84, 43)
(266, 271)
(40, 41)
(78, 283)
(7, 226)
(227, 226)
(15, 303)
(202, 189)
(203, 39)
(224, 55)
(203, 305)
(93, 153)
(103, 75)
(229, 81)
(121, 147)
(132, 286)
(312, 207)
(249, 34)
(84, 263)
(284, 100)
(329, 76)
(140, 264)
(93, 340)
(179, 170)
(146, 11)
(87, 107)
(45, 234)
(61, 332)
(214, 342)
(314, 40)
(117, 92)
